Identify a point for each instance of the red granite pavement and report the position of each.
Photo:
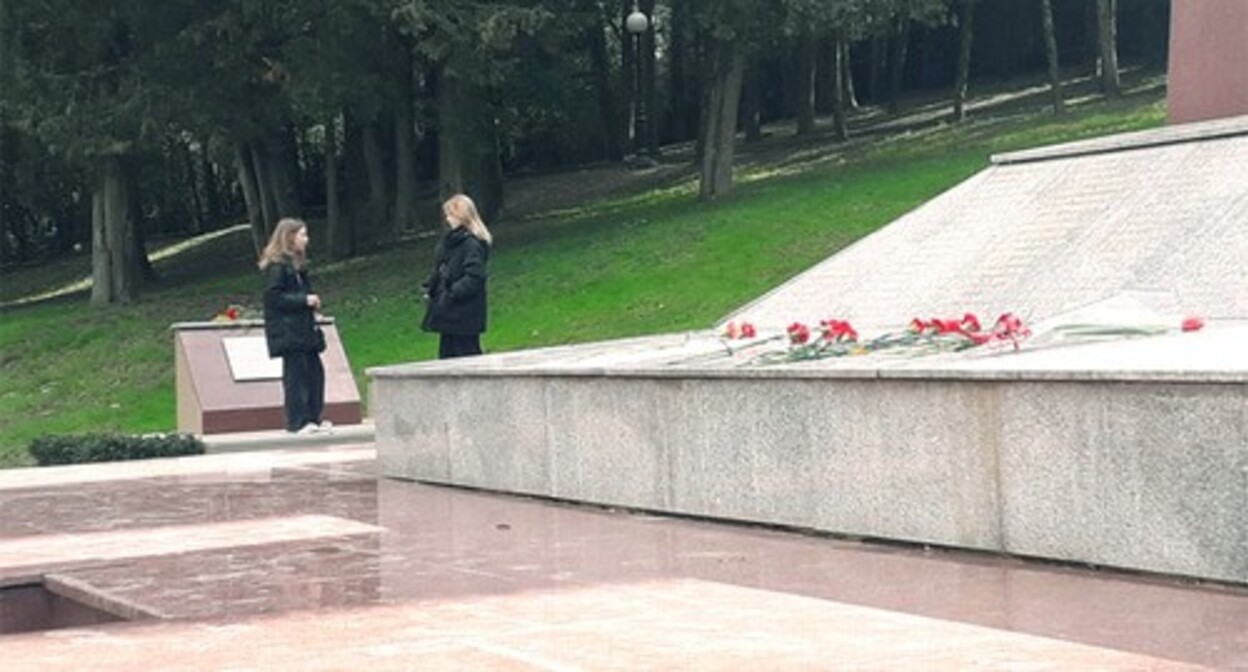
(305, 560)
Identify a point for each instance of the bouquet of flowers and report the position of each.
(838, 338)
(235, 312)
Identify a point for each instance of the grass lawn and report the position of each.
(650, 262)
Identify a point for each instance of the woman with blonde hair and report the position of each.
(455, 290)
(290, 328)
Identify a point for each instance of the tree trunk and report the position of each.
(966, 19)
(405, 144)
(684, 92)
(469, 161)
(264, 187)
(101, 260)
(115, 266)
(876, 67)
(404, 170)
(608, 113)
(1050, 51)
(354, 182)
(847, 74)
(825, 75)
(751, 107)
(192, 188)
(1107, 32)
(1091, 45)
(281, 167)
(840, 117)
(138, 244)
(649, 82)
(251, 196)
(338, 237)
(806, 81)
(374, 165)
(212, 195)
(897, 61)
(427, 145)
(720, 115)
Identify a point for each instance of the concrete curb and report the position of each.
(269, 440)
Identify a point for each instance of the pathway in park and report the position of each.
(303, 559)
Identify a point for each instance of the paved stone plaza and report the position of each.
(304, 559)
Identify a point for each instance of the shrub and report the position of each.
(77, 449)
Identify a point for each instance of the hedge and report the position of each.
(77, 449)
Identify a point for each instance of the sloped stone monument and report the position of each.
(226, 381)
(1126, 453)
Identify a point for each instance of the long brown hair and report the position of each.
(461, 211)
(281, 245)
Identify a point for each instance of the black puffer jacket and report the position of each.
(289, 323)
(456, 287)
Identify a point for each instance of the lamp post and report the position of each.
(638, 23)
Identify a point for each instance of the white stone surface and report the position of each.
(1043, 237)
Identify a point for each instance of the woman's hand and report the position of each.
(314, 302)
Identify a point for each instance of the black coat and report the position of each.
(456, 287)
(289, 323)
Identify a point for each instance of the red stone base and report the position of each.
(210, 401)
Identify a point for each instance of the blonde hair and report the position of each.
(281, 245)
(461, 211)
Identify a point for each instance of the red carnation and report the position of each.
(838, 330)
(1193, 324)
(798, 333)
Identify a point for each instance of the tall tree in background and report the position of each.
(833, 21)
(807, 50)
(1107, 40)
(233, 55)
(899, 50)
(472, 47)
(719, 117)
(1050, 52)
(335, 79)
(966, 33)
(99, 106)
(684, 74)
(730, 31)
(593, 20)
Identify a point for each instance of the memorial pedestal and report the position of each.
(226, 381)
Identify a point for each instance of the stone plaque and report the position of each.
(249, 359)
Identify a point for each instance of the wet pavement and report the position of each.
(303, 559)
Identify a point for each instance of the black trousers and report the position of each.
(303, 384)
(457, 345)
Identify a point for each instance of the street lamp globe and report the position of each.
(637, 22)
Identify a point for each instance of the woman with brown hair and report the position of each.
(290, 328)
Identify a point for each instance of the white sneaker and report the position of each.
(326, 427)
(309, 429)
